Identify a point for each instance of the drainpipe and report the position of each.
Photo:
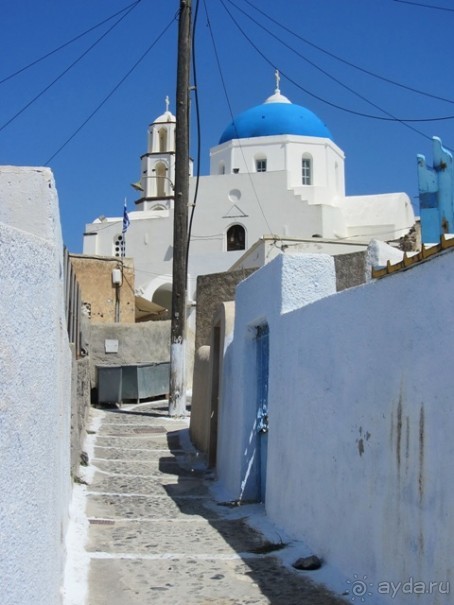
(116, 281)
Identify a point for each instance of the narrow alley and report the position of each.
(157, 536)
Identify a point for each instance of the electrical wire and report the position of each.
(139, 269)
(351, 90)
(403, 122)
(114, 89)
(78, 37)
(278, 238)
(114, 259)
(440, 8)
(351, 111)
(394, 231)
(348, 239)
(107, 259)
(126, 279)
(199, 135)
(391, 116)
(216, 54)
(64, 72)
(108, 224)
(212, 236)
(349, 63)
(119, 260)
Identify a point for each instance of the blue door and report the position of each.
(262, 406)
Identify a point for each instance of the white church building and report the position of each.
(275, 171)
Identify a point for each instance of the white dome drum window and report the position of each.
(306, 170)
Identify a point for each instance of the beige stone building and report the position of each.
(107, 288)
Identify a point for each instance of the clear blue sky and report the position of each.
(396, 40)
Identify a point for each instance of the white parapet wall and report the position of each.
(35, 390)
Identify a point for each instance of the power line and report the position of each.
(390, 115)
(360, 96)
(345, 109)
(439, 8)
(114, 89)
(52, 52)
(230, 109)
(40, 94)
(198, 130)
(349, 63)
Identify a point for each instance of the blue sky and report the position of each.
(394, 39)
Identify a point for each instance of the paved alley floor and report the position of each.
(156, 536)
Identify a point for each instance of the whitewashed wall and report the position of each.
(225, 200)
(284, 153)
(361, 421)
(284, 284)
(35, 378)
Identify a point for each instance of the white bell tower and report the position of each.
(158, 164)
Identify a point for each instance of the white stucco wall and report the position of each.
(35, 375)
(393, 211)
(360, 443)
(285, 283)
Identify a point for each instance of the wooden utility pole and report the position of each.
(177, 387)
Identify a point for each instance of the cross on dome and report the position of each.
(167, 116)
(278, 79)
(276, 97)
(276, 116)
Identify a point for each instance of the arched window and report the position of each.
(236, 238)
(306, 170)
(163, 140)
(160, 179)
(221, 168)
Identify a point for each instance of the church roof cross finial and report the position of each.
(278, 79)
(167, 103)
(277, 97)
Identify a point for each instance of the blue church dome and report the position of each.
(276, 116)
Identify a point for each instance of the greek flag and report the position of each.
(126, 220)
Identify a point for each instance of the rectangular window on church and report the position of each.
(306, 172)
(260, 165)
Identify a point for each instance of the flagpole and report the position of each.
(118, 282)
(126, 223)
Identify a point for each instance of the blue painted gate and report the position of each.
(262, 406)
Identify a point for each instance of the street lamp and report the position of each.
(138, 185)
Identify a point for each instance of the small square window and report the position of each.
(260, 165)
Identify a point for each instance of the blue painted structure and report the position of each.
(271, 119)
(262, 406)
(436, 194)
